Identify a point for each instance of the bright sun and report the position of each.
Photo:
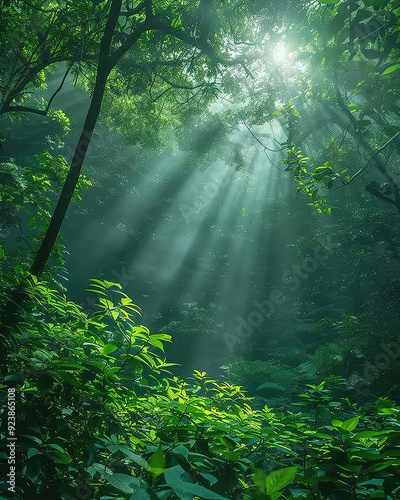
(280, 53)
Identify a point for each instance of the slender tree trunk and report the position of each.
(103, 71)
(71, 181)
(10, 314)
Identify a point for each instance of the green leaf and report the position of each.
(134, 457)
(58, 454)
(175, 478)
(181, 450)
(123, 482)
(328, 2)
(210, 478)
(367, 454)
(32, 452)
(372, 434)
(98, 283)
(66, 365)
(34, 468)
(381, 466)
(391, 69)
(145, 493)
(127, 300)
(108, 348)
(347, 425)
(14, 377)
(156, 342)
(350, 424)
(104, 284)
(277, 480)
(157, 463)
(35, 439)
(100, 469)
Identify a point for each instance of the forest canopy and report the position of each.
(224, 173)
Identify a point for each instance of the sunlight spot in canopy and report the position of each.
(280, 53)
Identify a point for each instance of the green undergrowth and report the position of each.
(99, 414)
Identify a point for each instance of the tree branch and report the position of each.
(24, 109)
(127, 44)
(133, 12)
(42, 112)
(361, 170)
(373, 154)
(149, 9)
(374, 190)
(203, 46)
(261, 143)
(180, 85)
(173, 85)
(59, 87)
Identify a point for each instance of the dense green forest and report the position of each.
(200, 249)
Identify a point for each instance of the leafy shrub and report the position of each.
(99, 415)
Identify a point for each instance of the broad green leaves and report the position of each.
(348, 425)
(176, 478)
(272, 484)
(311, 181)
(57, 454)
(157, 463)
(153, 435)
(394, 68)
(123, 482)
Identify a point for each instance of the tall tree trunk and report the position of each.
(103, 71)
(10, 314)
(72, 178)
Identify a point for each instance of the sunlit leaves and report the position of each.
(59, 116)
(348, 425)
(274, 482)
(309, 180)
(177, 479)
(391, 69)
(200, 426)
(157, 463)
(109, 348)
(33, 38)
